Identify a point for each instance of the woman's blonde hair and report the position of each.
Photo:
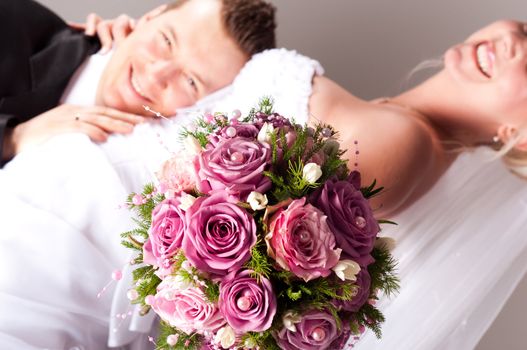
(514, 158)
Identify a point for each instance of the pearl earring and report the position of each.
(496, 139)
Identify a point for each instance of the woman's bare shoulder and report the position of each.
(395, 147)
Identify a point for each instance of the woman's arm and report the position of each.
(395, 147)
(110, 31)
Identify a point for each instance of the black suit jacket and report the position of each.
(39, 53)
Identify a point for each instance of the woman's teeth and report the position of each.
(484, 64)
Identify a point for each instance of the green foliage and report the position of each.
(178, 260)
(383, 272)
(204, 128)
(292, 184)
(212, 291)
(264, 340)
(334, 312)
(334, 165)
(265, 105)
(287, 170)
(371, 191)
(259, 261)
(147, 285)
(319, 294)
(298, 148)
(294, 295)
(134, 239)
(142, 272)
(184, 342)
(369, 316)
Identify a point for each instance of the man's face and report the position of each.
(171, 61)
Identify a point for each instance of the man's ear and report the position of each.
(151, 14)
(506, 133)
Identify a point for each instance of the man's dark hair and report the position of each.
(251, 23)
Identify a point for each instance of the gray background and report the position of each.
(369, 46)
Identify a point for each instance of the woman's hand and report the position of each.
(110, 32)
(95, 121)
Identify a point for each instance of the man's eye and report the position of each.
(166, 40)
(192, 83)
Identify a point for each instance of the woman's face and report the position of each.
(490, 68)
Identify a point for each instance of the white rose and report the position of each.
(311, 172)
(347, 270)
(289, 319)
(186, 201)
(257, 201)
(192, 145)
(386, 243)
(226, 337)
(265, 133)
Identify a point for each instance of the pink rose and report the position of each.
(248, 304)
(235, 164)
(316, 330)
(186, 309)
(178, 174)
(300, 241)
(220, 234)
(166, 233)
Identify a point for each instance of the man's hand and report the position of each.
(110, 31)
(95, 121)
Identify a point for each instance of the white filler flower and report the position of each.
(257, 201)
(347, 270)
(311, 172)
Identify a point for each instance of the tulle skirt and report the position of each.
(462, 251)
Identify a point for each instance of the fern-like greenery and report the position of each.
(383, 272)
(184, 341)
(259, 262)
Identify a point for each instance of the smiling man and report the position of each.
(176, 55)
(188, 51)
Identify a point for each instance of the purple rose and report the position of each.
(316, 330)
(300, 241)
(350, 217)
(247, 304)
(362, 294)
(275, 119)
(244, 130)
(220, 234)
(166, 233)
(236, 164)
(186, 309)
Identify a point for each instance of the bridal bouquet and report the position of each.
(257, 236)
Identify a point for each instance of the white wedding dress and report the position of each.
(461, 248)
